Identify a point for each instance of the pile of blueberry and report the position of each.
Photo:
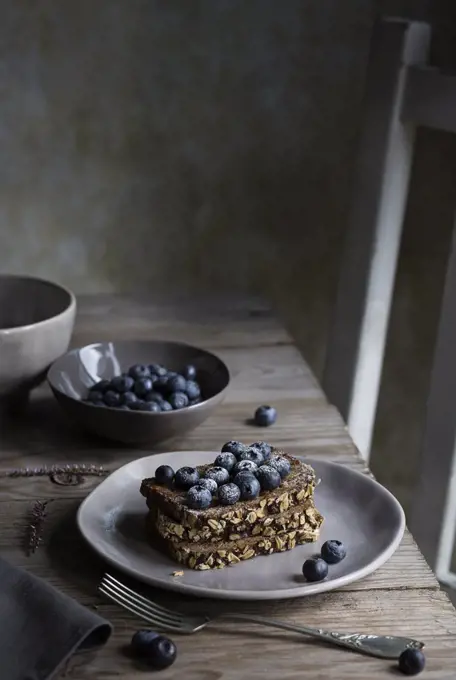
(239, 473)
(151, 388)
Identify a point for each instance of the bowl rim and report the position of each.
(36, 279)
(193, 407)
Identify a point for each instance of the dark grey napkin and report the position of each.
(40, 628)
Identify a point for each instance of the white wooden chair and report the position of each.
(402, 92)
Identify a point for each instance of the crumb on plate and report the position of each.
(178, 573)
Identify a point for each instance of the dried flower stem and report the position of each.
(35, 528)
(48, 471)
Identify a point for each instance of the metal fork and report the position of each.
(382, 646)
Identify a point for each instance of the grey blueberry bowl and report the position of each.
(36, 323)
(73, 376)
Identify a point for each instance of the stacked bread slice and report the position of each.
(221, 535)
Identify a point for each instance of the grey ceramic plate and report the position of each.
(357, 510)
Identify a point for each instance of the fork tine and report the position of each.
(148, 608)
(150, 617)
(107, 578)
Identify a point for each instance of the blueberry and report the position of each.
(245, 466)
(111, 398)
(412, 661)
(143, 386)
(161, 383)
(210, 484)
(234, 447)
(128, 399)
(249, 486)
(164, 474)
(138, 371)
(156, 369)
(265, 449)
(281, 464)
(193, 402)
(265, 416)
(176, 383)
(140, 641)
(225, 460)
(186, 477)
(315, 569)
(218, 474)
(253, 454)
(149, 406)
(178, 400)
(95, 396)
(123, 407)
(136, 405)
(101, 386)
(192, 389)
(189, 372)
(122, 383)
(268, 477)
(157, 650)
(154, 396)
(333, 551)
(198, 497)
(242, 475)
(229, 494)
(165, 406)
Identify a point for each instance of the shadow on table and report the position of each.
(42, 427)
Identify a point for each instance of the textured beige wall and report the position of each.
(209, 143)
(161, 143)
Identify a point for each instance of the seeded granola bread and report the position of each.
(204, 556)
(295, 488)
(235, 528)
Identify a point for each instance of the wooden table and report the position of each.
(403, 597)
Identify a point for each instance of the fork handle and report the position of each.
(382, 646)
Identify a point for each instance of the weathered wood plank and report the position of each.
(218, 322)
(405, 570)
(402, 597)
(229, 651)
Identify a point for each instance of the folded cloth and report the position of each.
(41, 627)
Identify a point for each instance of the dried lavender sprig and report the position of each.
(45, 470)
(35, 527)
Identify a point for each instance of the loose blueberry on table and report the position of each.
(265, 416)
(333, 551)
(186, 477)
(411, 662)
(157, 651)
(315, 569)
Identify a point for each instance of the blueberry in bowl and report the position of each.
(138, 392)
